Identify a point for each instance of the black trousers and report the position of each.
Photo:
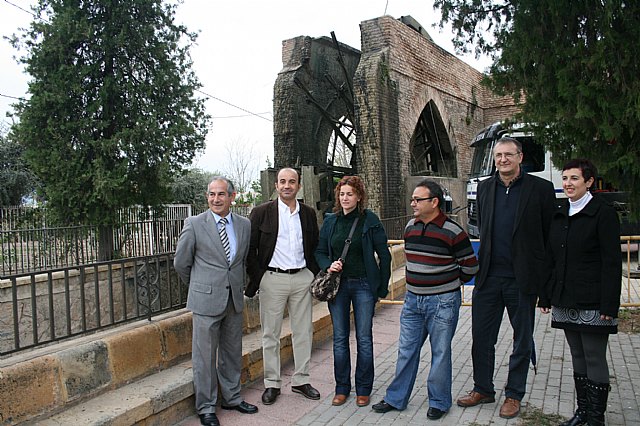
(489, 303)
(589, 354)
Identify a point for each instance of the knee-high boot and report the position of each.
(580, 416)
(597, 395)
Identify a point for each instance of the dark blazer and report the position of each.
(529, 233)
(585, 258)
(201, 262)
(374, 240)
(264, 234)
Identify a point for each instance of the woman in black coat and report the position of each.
(584, 288)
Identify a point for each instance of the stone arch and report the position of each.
(428, 113)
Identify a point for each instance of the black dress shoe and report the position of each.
(383, 407)
(209, 419)
(270, 395)
(307, 390)
(243, 407)
(434, 413)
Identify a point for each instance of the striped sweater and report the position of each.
(439, 256)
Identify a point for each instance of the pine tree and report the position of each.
(112, 112)
(576, 66)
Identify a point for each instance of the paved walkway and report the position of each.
(550, 390)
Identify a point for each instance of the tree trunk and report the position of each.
(105, 242)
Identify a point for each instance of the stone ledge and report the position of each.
(156, 396)
(60, 375)
(101, 367)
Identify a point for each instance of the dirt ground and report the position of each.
(629, 320)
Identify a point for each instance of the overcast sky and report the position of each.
(238, 56)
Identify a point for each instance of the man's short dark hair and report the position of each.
(435, 190)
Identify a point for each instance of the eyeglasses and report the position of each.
(417, 200)
(506, 155)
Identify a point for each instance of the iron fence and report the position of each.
(41, 308)
(33, 249)
(394, 226)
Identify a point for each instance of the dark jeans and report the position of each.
(489, 302)
(354, 291)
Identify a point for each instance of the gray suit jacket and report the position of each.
(201, 262)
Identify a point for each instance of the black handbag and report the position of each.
(325, 285)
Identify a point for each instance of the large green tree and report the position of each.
(17, 179)
(191, 186)
(112, 113)
(576, 66)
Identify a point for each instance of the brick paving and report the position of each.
(550, 390)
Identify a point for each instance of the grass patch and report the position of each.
(533, 416)
(629, 320)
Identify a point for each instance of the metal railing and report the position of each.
(41, 308)
(41, 248)
(394, 226)
(631, 272)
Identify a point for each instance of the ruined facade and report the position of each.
(415, 107)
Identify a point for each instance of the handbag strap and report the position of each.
(347, 242)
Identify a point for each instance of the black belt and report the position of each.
(284, 271)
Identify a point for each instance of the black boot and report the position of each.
(597, 395)
(580, 416)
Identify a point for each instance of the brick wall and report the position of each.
(397, 76)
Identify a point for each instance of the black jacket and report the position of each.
(529, 233)
(264, 233)
(585, 259)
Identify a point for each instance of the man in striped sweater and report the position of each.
(440, 259)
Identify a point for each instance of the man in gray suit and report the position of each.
(211, 257)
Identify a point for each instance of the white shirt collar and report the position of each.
(576, 206)
(217, 217)
(283, 207)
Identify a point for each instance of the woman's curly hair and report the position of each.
(358, 187)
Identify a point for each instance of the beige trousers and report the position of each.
(278, 291)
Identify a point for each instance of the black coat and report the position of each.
(264, 234)
(529, 233)
(585, 259)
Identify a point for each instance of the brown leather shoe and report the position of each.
(474, 398)
(510, 408)
(339, 399)
(362, 401)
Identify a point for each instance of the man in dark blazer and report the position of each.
(514, 215)
(284, 235)
(211, 257)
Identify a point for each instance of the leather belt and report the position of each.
(284, 271)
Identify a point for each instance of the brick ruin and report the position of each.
(406, 106)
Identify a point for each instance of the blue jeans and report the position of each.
(354, 291)
(435, 317)
(489, 302)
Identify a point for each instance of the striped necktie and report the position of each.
(224, 237)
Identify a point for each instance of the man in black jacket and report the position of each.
(514, 215)
(281, 263)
